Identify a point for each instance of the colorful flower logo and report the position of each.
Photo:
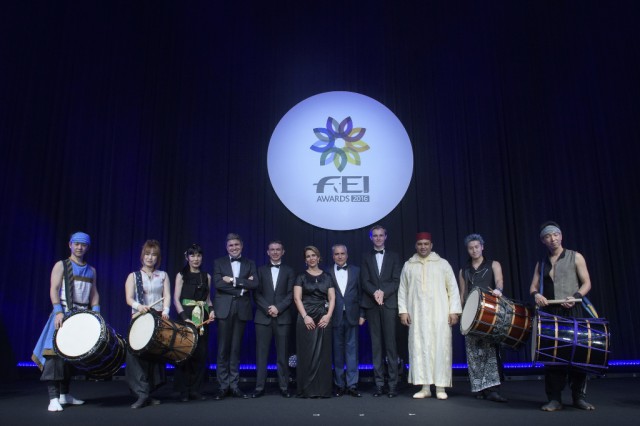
(353, 143)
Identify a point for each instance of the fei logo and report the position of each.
(329, 176)
(352, 140)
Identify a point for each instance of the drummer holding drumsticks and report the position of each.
(563, 275)
(192, 300)
(483, 355)
(143, 289)
(73, 286)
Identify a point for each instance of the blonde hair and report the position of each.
(147, 247)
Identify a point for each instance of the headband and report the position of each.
(80, 237)
(549, 229)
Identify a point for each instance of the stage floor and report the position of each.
(617, 400)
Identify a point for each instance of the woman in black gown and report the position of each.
(314, 297)
(193, 303)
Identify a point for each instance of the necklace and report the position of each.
(147, 273)
(474, 271)
(314, 275)
(200, 283)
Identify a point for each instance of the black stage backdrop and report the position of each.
(136, 120)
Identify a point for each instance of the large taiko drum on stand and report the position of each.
(496, 318)
(582, 343)
(159, 339)
(87, 342)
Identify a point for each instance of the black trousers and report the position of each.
(57, 373)
(144, 376)
(264, 335)
(556, 377)
(382, 328)
(230, 332)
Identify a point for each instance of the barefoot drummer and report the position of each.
(562, 274)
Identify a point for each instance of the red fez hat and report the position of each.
(423, 236)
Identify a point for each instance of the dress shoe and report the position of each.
(552, 405)
(237, 393)
(257, 394)
(379, 391)
(353, 391)
(392, 393)
(67, 399)
(141, 402)
(440, 393)
(582, 404)
(338, 392)
(222, 394)
(495, 397)
(285, 393)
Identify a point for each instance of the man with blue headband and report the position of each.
(73, 287)
(563, 275)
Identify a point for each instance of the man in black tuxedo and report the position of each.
(234, 277)
(273, 297)
(380, 278)
(346, 318)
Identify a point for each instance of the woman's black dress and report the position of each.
(190, 374)
(314, 374)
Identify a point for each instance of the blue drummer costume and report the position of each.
(73, 288)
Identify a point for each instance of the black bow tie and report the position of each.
(379, 251)
(275, 266)
(341, 267)
(235, 259)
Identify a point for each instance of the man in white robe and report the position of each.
(429, 304)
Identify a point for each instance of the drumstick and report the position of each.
(137, 314)
(560, 301)
(156, 302)
(205, 323)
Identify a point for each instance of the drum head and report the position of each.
(78, 334)
(469, 311)
(141, 331)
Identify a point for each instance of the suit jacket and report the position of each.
(388, 280)
(281, 297)
(226, 292)
(347, 306)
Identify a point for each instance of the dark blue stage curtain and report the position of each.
(136, 120)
